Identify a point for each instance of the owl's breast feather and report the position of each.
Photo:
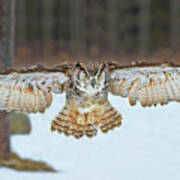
(85, 109)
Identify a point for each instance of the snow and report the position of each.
(146, 146)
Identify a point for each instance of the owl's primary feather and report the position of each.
(30, 90)
(87, 85)
(150, 84)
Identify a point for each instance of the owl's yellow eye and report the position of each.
(100, 76)
(85, 76)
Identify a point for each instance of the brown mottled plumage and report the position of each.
(86, 110)
(71, 121)
(87, 85)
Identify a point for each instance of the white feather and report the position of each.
(86, 110)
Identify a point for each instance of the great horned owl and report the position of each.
(87, 86)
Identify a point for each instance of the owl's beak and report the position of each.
(93, 83)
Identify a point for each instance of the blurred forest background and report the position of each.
(51, 31)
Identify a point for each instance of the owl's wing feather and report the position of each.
(30, 90)
(150, 84)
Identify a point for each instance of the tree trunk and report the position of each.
(144, 26)
(6, 59)
(175, 25)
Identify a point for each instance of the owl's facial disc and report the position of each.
(91, 82)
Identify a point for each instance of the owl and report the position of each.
(87, 86)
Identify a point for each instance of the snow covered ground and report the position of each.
(146, 147)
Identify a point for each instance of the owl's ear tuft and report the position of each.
(79, 65)
(76, 66)
(103, 67)
(76, 69)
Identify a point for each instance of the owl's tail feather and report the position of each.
(73, 122)
(67, 124)
(110, 119)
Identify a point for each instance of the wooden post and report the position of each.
(4, 136)
(6, 60)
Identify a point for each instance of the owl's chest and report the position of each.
(87, 101)
(86, 106)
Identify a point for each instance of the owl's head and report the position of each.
(90, 78)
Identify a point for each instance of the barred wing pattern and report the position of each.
(30, 90)
(150, 84)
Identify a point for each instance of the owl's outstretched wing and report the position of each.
(150, 84)
(30, 90)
